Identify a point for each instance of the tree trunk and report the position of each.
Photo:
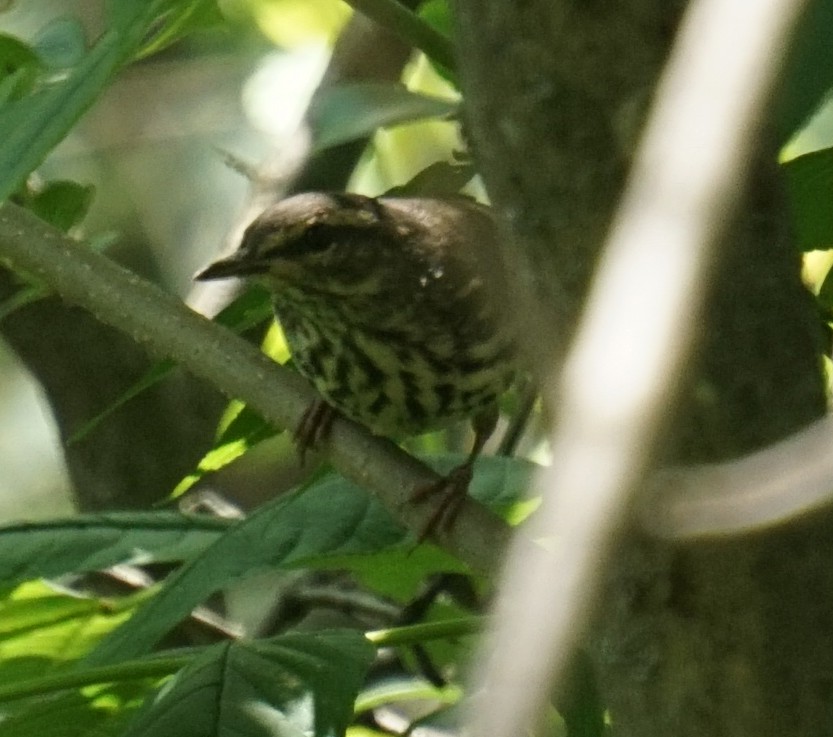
(727, 638)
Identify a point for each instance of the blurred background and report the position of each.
(238, 88)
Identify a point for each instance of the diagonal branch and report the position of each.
(165, 327)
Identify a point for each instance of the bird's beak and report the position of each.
(238, 264)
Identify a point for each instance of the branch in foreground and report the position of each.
(686, 181)
(777, 485)
(162, 324)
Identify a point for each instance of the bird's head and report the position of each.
(322, 241)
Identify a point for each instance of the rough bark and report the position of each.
(730, 638)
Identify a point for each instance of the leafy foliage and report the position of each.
(88, 664)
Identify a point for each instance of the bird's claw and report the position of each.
(314, 425)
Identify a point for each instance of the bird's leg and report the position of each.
(453, 488)
(314, 425)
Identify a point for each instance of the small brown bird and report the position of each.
(393, 308)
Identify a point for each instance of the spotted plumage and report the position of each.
(392, 308)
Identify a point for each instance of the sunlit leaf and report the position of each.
(41, 628)
(810, 185)
(246, 430)
(99, 712)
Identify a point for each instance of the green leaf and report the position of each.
(19, 68)
(62, 203)
(289, 685)
(395, 571)
(31, 126)
(60, 44)
(808, 75)
(183, 18)
(579, 701)
(92, 542)
(41, 628)
(499, 482)
(437, 14)
(440, 179)
(810, 188)
(347, 112)
(93, 712)
(330, 518)
(333, 519)
(407, 688)
(246, 430)
(825, 296)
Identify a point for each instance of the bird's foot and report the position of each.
(314, 425)
(450, 493)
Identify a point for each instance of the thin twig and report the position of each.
(408, 26)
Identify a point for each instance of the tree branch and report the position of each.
(165, 327)
(779, 484)
(406, 24)
(686, 182)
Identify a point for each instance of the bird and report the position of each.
(394, 309)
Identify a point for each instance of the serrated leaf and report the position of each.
(810, 187)
(289, 685)
(333, 517)
(92, 542)
(348, 112)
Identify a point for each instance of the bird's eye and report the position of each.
(316, 238)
